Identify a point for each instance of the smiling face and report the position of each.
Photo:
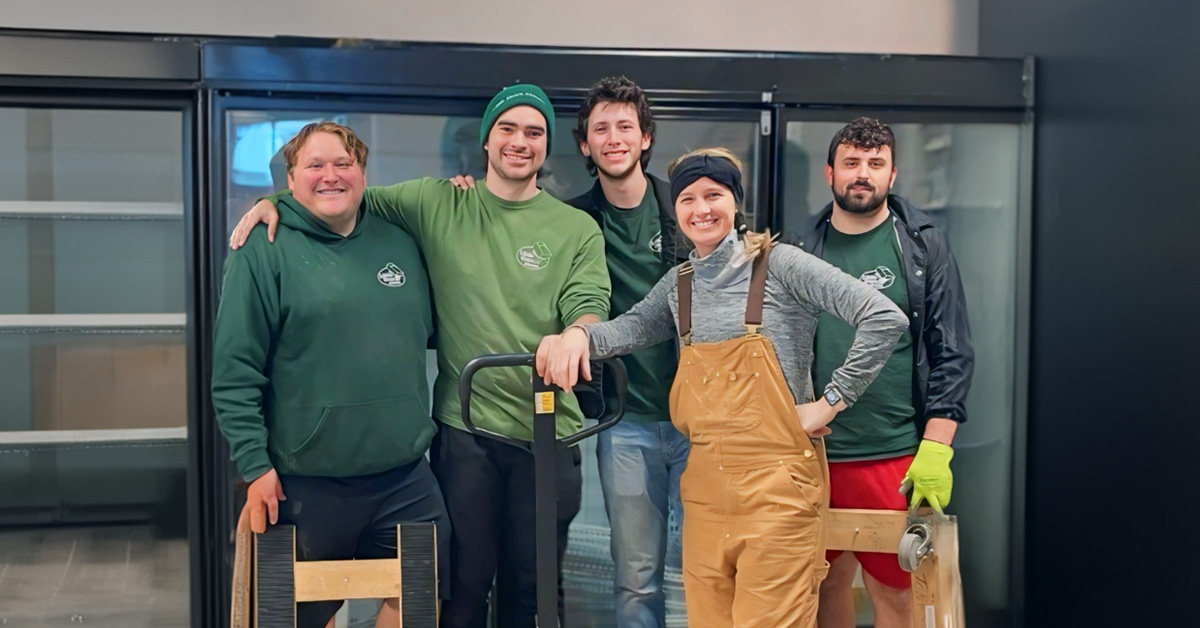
(615, 141)
(327, 179)
(516, 145)
(705, 211)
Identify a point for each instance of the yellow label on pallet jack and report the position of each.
(543, 402)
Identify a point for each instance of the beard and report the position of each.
(860, 204)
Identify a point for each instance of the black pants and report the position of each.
(488, 486)
(344, 518)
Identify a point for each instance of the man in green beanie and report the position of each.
(508, 264)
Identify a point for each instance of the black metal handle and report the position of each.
(610, 417)
(464, 391)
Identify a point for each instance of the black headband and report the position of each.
(718, 169)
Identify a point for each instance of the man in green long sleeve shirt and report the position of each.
(319, 369)
(507, 264)
(642, 458)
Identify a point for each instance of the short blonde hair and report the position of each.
(350, 142)
(753, 241)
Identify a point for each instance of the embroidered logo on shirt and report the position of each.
(656, 243)
(391, 276)
(534, 257)
(880, 278)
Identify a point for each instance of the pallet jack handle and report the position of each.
(616, 369)
(544, 447)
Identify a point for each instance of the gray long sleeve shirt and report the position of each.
(799, 287)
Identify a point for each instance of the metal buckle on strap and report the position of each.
(752, 330)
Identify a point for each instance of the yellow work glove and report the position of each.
(930, 476)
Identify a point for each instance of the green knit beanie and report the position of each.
(514, 96)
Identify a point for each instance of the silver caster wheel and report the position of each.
(915, 545)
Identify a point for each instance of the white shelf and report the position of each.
(95, 323)
(133, 436)
(85, 210)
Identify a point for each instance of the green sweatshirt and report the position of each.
(504, 274)
(319, 349)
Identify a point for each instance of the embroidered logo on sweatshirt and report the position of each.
(534, 257)
(656, 243)
(880, 278)
(391, 276)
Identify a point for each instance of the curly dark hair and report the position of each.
(615, 89)
(865, 134)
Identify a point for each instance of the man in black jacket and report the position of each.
(641, 458)
(902, 428)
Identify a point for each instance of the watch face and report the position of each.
(832, 397)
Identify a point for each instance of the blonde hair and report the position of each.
(753, 241)
(350, 142)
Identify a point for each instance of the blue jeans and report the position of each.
(640, 464)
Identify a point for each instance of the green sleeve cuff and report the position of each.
(600, 314)
(254, 464)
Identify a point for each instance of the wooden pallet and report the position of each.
(268, 581)
(936, 584)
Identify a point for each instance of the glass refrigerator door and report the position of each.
(406, 146)
(93, 367)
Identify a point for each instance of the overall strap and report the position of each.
(758, 289)
(684, 284)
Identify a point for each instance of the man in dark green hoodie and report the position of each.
(319, 380)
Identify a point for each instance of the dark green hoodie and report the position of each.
(319, 349)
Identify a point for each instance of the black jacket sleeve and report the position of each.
(947, 335)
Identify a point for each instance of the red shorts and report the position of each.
(872, 484)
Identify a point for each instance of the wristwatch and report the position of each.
(832, 396)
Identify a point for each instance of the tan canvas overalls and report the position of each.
(755, 489)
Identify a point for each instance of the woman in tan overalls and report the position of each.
(754, 492)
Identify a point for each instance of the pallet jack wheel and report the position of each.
(915, 545)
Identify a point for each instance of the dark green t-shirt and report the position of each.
(881, 423)
(633, 248)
